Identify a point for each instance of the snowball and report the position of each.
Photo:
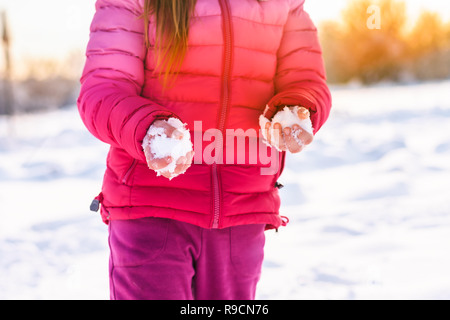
(163, 146)
(287, 118)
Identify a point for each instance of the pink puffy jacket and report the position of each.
(243, 55)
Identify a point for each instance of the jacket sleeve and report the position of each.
(109, 102)
(300, 77)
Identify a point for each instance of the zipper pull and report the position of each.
(95, 204)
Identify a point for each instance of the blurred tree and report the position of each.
(429, 47)
(374, 54)
(371, 43)
(48, 83)
(6, 103)
(428, 35)
(336, 60)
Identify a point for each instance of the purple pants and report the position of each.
(163, 259)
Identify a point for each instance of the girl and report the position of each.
(216, 65)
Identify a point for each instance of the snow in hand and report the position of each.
(163, 146)
(287, 118)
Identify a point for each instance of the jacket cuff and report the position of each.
(136, 125)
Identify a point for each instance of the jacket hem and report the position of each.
(272, 220)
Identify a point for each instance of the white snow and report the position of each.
(368, 203)
(287, 117)
(163, 146)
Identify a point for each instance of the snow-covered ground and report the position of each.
(368, 202)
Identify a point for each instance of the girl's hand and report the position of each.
(155, 163)
(292, 139)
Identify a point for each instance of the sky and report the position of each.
(54, 28)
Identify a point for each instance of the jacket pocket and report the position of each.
(126, 176)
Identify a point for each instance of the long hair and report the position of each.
(172, 30)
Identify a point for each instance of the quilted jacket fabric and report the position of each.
(243, 55)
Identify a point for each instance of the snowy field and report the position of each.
(368, 202)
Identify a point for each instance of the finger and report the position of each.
(267, 128)
(190, 158)
(180, 169)
(278, 137)
(177, 134)
(181, 160)
(305, 137)
(180, 164)
(291, 143)
(169, 130)
(167, 174)
(303, 113)
(160, 124)
(159, 163)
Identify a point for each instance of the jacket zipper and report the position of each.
(215, 223)
(128, 173)
(224, 6)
